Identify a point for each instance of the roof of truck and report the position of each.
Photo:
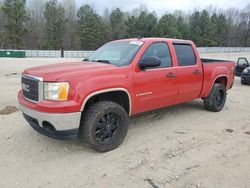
(153, 39)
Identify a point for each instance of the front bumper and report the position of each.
(60, 126)
(245, 79)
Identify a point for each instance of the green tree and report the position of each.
(208, 29)
(221, 29)
(55, 23)
(183, 28)
(203, 29)
(143, 26)
(195, 28)
(117, 22)
(131, 24)
(16, 17)
(167, 27)
(91, 28)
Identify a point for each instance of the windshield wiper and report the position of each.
(102, 61)
(85, 59)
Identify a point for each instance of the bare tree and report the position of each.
(71, 40)
(137, 11)
(232, 15)
(2, 21)
(238, 22)
(231, 26)
(106, 15)
(245, 15)
(35, 38)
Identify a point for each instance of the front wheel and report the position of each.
(104, 126)
(216, 99)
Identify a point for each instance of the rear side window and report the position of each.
(185, 54)
(161, 51)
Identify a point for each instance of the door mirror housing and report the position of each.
(150, 62)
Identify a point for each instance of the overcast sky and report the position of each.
(162, 6)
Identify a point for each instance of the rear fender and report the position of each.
(210, 80)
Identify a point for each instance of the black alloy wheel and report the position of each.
(107, 126)
(220, 97)
(104, 125)
(216, 99)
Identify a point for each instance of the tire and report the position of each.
(216, 99)
(243, 82)
(104, 126)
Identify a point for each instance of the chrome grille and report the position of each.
(30, 87)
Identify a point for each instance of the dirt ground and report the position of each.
(180, 146)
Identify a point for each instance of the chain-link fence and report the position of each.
(53, 53)
(85, 54)
(57, 53)
(223, 49)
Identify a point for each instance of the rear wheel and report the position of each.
(104, 126)
(216, 99)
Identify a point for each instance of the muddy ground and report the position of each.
(180, 146)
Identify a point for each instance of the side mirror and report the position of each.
(151, 61)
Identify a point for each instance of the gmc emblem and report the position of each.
(26, 87)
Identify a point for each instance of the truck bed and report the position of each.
(212, 68)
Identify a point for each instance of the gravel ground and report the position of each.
(180, 146)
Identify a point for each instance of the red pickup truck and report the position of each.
(93, 99)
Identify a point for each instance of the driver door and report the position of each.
(242, 63)
(156, 87)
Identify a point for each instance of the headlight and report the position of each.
(56, 91)
(245, 71)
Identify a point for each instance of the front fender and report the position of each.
(102, 84)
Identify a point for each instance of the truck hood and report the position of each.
(58, 71)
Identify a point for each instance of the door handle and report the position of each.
(171, 75)
(196, 72)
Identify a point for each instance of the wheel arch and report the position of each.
(222, 80)
(218, 79)
(125, 97)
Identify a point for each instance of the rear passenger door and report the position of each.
(190, 76)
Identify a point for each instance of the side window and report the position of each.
(161, 51)
(243, 62)
(185, 54)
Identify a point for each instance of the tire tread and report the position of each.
(209, 102)
(91, 114)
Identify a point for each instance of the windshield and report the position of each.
(116, 53)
